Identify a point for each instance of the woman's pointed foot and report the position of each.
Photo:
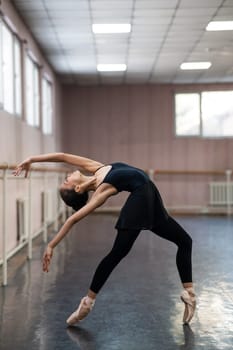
(83, 310)
(189, 299)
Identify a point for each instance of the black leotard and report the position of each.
(125, 177)
(144, 208)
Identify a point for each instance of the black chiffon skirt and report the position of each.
(143, 209)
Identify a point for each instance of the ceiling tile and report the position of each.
(117, 15)
(29, 5)
(67, 4)
(199, 3)
(111, 4)
(145, 20)
(228, 3)
(197, 11)
(112, 79)
(153, 12)
(161, 4)
(225, 11)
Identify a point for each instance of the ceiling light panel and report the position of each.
(114, 67)
(106, 28)
(220, 26)
(195, 65)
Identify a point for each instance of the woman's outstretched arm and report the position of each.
(94, 203)
(82, 162)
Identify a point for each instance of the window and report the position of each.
(32, 93)
(204, 114)
(10, 71)
(187, 114)
(47, 107)
(17, 77)
(217, 113)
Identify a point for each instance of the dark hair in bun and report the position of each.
(74, 199)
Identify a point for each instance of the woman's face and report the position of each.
(71, 180)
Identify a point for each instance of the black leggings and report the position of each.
(168, 229)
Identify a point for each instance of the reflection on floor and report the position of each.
(138, 308)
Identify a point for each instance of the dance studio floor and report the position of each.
(138, 308)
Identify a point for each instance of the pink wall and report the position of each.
(135, 124)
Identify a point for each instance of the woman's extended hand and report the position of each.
(25, 165)
(47, 258)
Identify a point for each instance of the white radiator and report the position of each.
(49, 205)
(221, 193)
(22, 219)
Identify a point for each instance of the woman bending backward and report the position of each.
(143, 210)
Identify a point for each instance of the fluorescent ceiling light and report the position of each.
(111, 67)
(220, 25)
(195, 65)
(111, 28)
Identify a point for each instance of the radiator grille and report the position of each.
(22, 219)
(221, 193)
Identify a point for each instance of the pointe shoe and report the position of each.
(83, 310)
(189, 299)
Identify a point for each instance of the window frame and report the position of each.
(48, 118)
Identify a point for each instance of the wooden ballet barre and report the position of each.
(190, 172)
(5, 166)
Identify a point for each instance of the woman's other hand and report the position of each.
(47, 258)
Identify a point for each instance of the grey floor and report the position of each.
(138, 308)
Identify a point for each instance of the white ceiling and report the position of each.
(164, 34)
